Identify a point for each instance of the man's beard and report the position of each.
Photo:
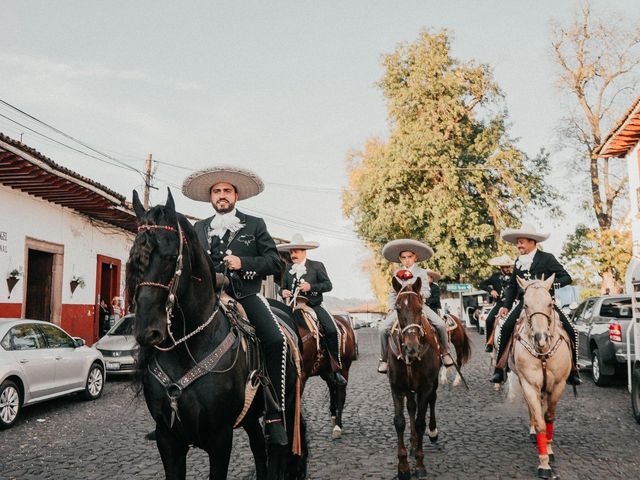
(222, 210)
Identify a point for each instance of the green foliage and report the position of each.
(594, 254)
(448, 174)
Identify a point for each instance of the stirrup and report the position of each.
(498, 376)
(275, 432)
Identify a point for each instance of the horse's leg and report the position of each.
(404, 472)
(340, 399)
(219, 450)
(424, 402)
(258, 446)
(550, 416)
(411, 408)
(173, 453)
(443, 375)
(532, 397)
(433, 427)
(332, 398)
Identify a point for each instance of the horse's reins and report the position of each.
(172, 287)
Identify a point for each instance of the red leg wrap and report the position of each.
(541, 440)
(549, 431)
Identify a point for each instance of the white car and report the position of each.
(119, 347)
(40, 361)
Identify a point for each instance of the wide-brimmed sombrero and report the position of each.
(501, 261)
(197, 186)
(297, 243)
(392, 250)
(435, 274)
(511, 235)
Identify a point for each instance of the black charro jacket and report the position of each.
(498, 282)
(316, 276)
(433, 300)
(543, 265)
(252, 243)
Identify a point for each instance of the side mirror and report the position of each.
(78, 342)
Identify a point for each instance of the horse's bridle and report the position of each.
(412, 326)
(172, 286)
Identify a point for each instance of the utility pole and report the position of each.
(147, 181)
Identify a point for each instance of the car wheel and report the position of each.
(10, 403)
(95, 383)
(596, 362)
(635, 394)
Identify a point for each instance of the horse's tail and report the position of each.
(464, 353)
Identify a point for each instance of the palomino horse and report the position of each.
(541, 358)
(460, 340)
(414, 363)
(197, 365)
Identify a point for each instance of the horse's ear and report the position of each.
(417, 285)
(549, 281)
(396, 284)
(522, 282)
(137, 206)
(170, 206)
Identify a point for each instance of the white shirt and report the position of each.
(298, 269)
(223, 222)
(524, 261)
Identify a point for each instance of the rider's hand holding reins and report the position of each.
(287, 294)
(305, 286)
(232, 262)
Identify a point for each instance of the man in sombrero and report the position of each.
(433, 301)
(496, 285)
(408, 253)
(310, 279)
(240, 247)
(532, 263)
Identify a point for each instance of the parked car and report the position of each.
(482, 317)
(119, 347)
(602, 324)
(40, 361)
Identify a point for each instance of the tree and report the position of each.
(448, 174)
(598, 60)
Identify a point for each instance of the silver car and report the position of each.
(119, 347)
(40, 361)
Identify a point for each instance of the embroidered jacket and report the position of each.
(316, 276)
(252, 243)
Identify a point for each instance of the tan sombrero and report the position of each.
(297, 243)
(435, 274)
(511, 235)
(392, 250)
(197, 186)
(501, 261)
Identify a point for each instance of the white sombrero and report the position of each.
(501, 261)
(511, 235)
(297, 243)
(197, 186)
(435, 274)
(392, 250)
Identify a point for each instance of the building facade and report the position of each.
(64, 242)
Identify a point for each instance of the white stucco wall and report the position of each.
(633, 161)
(22, 215)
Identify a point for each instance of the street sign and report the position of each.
(459, 287)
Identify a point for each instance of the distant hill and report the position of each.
(335, 303)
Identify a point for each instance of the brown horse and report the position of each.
(460, 340)
(315, 358)
(414, 363)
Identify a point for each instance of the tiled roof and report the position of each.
(624, 136)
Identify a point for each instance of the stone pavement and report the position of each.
(482, 435)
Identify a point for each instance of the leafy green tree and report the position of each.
(449, 173)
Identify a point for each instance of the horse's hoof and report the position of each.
(421, 473)
(532, 437)
(336, 432)
(404, 475)
(544, 473)
(433, 435)
(433, 439)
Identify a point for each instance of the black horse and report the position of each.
(179, 323)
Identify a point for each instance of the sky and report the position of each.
(286, 89)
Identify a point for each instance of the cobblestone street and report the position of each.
(482, 435)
